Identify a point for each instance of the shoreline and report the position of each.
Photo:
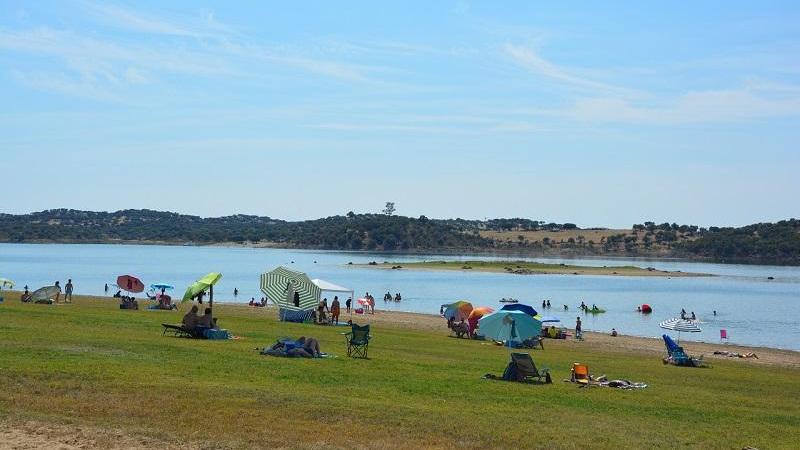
(497, 252)
(530, 268)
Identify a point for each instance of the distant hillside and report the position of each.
(351, 232)
(758, 243)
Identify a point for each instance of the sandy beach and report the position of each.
(626, 344)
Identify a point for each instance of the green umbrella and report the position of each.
(5, 282)
(203, 284)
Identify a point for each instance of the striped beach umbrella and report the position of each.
(281, 285)
(681, 326)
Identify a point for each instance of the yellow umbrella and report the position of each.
(203, 284)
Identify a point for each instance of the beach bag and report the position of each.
(217, 334)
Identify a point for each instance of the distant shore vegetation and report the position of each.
(766, 243)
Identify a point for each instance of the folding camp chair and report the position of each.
(580, 373)
(358, 341)
(526, 368)
(181, 331)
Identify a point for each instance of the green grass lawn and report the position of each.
(91, 364)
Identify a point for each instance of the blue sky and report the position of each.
(595, 113)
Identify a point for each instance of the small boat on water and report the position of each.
(508, 300)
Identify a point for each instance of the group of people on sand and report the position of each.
(334, 310)
(26, 296)
(257, 303)
(126, 301)
(388, 297)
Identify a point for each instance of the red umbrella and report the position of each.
(130, 283)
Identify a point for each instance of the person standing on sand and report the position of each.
(58, 294)
(578, 331)
(335, 309)
(68, 291)
(348, 303)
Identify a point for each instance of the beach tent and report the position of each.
(44, 293)
(327, 286)
(520, 307)
(509, 326)
(280, 287)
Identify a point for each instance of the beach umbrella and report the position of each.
(160, 286)
(281, 285)
(681, 326)
(509, 326)
(130, 283)
(476, 314)
(520, 307)
(202, 285)
(45, 293)
(6, 283)
(458, 311)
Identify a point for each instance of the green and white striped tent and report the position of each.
(281, 284)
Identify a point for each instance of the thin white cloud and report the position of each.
(530, 60)
(711, 106)
(136, 21)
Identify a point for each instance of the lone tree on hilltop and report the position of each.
(389, 210)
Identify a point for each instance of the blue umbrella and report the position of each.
(519, 307)
(509, 326)
(159, 286)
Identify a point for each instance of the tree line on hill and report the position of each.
(764, 242)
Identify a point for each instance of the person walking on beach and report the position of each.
(68, 291)
(578, 331)
(335, 309)
(347, 304)
(58, 294)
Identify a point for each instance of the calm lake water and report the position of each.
(754, 310)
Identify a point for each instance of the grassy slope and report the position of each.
(535, 267)
(89, 363)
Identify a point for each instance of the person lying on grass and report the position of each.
(303, 347)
